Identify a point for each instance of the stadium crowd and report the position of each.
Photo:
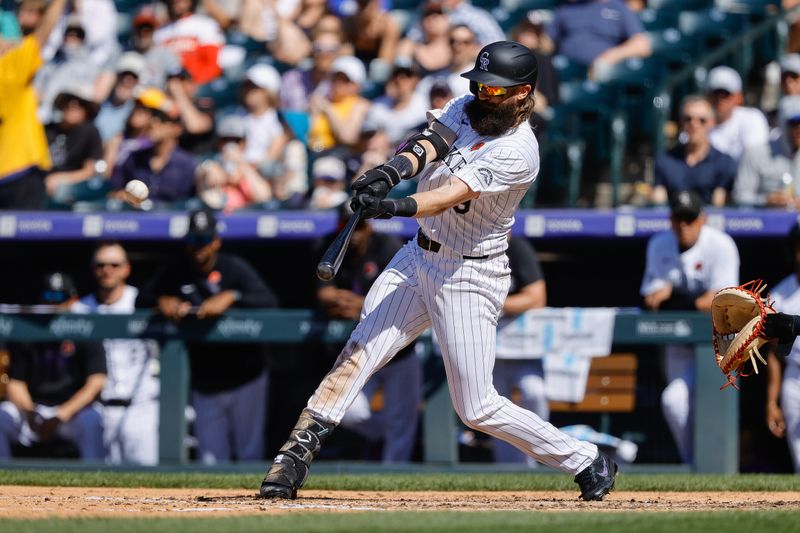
(224, 105)
(231, 103)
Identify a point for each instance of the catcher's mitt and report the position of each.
(737, 317)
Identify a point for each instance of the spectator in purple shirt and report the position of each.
(165, 168)
(595, 32)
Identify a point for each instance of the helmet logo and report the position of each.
(484, 59)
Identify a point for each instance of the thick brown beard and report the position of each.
(491, 120)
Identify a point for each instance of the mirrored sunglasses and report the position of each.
(491, 90)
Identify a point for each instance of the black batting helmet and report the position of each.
(503, 64)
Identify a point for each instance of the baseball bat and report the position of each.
(329, 264)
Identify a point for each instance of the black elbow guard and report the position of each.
(440, 137)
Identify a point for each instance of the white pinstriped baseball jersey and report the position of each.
(460, 298)
(500, 168)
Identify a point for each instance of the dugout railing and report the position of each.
(716, 419)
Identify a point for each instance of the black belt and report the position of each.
(116, 402)
(432, 246)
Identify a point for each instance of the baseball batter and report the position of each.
(475, 161)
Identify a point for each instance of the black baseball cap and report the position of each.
(57, 288)
(686, 205)
(202, 227)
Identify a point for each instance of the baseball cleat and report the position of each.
(597, 479)
(283, 478)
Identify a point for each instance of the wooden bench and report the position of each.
(611, 387)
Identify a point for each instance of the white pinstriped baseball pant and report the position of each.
(462, 300)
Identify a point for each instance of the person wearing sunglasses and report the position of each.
(130, 396)
(229, 386)
(475, 160)
(693, 164)
(166, 168)
(769, 174)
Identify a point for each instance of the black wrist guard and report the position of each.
(782, 327)
(404, 207)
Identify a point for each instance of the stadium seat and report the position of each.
(567, 69)
(714, 25)
(635, 82)
(673, 49)
(655, 19)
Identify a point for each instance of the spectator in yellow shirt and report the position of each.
(23, 145)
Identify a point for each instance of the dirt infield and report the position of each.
(49, 502)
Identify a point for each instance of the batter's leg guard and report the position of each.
(290, 469)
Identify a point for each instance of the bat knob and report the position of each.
(325, 271)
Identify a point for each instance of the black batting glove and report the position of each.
(781, 326)
(384, 208)
(373, 207)
(376, 182)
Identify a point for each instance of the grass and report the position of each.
(624, 522)
(397, 481)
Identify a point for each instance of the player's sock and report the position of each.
(291, 467)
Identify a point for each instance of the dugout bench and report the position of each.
(716, 412)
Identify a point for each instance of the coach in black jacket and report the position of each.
(229, 384)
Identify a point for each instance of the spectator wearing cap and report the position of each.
(265, 135)
(166, 169)
(693, 164)
(439, 94)
(75, 144)
(336, 120)
(134, 134)
(464, 48)
(299, 83)
(737, 127)
(229, 181)
(197, 113)
(24, 155)
(268, 141)
(431, 54)
(790, 74)
(374, 34)
(160, 60)
(462, 13)
(684, 267)
(329, 179)
(768, 173)
(71, 63)
(598, 32)
(196, 39)
(114, 111)
(53, 387)
(229, 389)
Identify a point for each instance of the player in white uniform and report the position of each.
(130, 396)
(783, 418)
(453, 277)
(684, 268)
